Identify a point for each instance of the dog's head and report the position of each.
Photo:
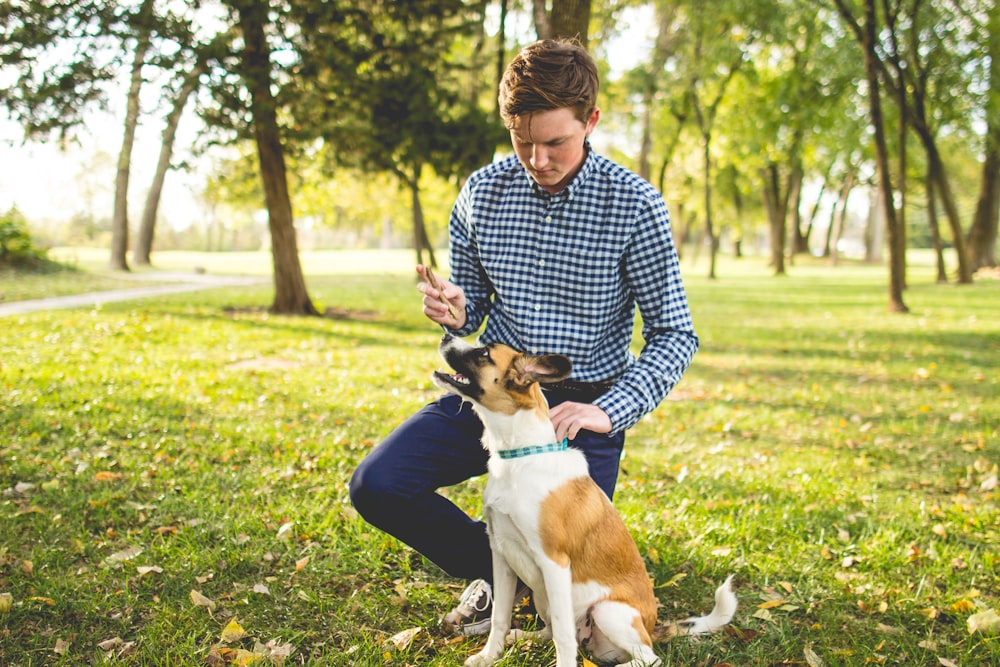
(497, 377)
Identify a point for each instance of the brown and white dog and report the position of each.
(551, 525)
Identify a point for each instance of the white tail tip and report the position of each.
(722, 613)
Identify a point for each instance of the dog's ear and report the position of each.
(545, 369)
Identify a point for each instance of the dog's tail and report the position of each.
(721, 614)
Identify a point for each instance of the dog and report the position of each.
(551, 525)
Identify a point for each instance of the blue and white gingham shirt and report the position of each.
(563, 273)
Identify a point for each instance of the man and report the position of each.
(553, 248)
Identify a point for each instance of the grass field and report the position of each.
(173, 475)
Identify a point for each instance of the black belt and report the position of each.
(586, 392)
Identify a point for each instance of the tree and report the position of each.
(290, 295)
(566, 19)
(982, 239)
(868, 38)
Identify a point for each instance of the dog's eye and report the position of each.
(485, 352)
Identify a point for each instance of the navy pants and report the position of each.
(395, 488)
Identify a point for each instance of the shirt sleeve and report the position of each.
(466, 270)
(652, 272)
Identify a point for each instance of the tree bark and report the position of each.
(982, 239)
(119, 219)
(147, 227)
(421, 241)
(932, 221)
(290, 295)
(897, 261)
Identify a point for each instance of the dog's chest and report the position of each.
(513, 499)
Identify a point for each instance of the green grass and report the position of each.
(834, 457)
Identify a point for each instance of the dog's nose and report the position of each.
(446, 338)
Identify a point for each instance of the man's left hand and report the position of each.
(570, 418)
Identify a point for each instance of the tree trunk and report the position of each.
(937, 175)
(290, 295)
(932, 221)
(897, 261)
(775, 206)
(119, 219)
(147, 228)
(982, 240)
(543, 29)
(713, 241)
(421, 241)
(571, 19)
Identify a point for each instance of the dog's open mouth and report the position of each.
(456, 379)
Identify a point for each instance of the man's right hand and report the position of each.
(435, 308)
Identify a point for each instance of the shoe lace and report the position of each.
(478, 593)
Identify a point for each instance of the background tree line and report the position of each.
(738, 110)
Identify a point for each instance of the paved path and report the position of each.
(185, 282)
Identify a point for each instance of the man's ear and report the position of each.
(545, 369)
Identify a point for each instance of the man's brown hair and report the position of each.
(549, 74)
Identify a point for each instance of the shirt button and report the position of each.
(541, 262)
(548, 218)
(538, 306)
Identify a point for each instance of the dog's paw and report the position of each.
(515, 636)
(481, 659)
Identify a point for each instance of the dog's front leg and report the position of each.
(559, 589)
(504, 589)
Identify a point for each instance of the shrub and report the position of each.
(16, 247)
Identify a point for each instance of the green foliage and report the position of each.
(16, 246)
(841, 462)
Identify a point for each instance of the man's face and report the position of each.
(549, 144)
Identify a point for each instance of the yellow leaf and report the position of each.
(301, 563)
(6, 602)
(107, 476)
(48, 601)
(233, 632)
(653, 555)
(963, 606)
(62, 647)
(200, 600)
(770, 604)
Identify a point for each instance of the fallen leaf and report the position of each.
(402, 640)
(770, 604)
(962, 606)
(233, 632)
(61, 647)
(27, 567)
(6, 602)
(985, 623)
(200, 600)
(945, 662)
(37, 598)
(262, 589)
(107, 476)
(285, 531)
(301, 563)
(812, 659)
(124, 555)
(149, 569)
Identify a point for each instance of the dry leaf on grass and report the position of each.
(812, 659)
(200, 600)
(61, 647)
(233, 632)
(6, 602)
(985, 623)
(402, 640)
